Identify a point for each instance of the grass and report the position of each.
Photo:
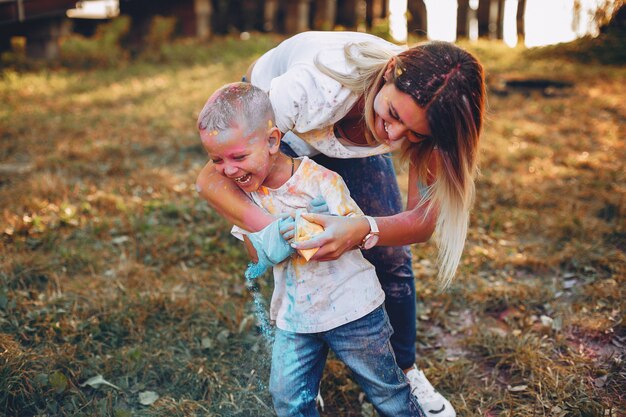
(110, 264)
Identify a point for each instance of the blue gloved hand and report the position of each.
(287, 227)
(271, 249)
(318, 206)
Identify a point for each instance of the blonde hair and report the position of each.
(448, 82)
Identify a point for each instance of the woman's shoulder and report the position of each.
(303, 48)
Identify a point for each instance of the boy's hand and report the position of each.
(318, 206)
(287, 227)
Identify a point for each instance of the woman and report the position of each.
(347, 99)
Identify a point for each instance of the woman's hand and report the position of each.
(340, 235)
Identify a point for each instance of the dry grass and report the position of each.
(110, 265)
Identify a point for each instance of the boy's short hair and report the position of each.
(235, 104)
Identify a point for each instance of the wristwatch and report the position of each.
(370, 239)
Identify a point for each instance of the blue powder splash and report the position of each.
(260, 307)
(271, 249)
(261, 316)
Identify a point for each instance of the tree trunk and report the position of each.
(462, 19)
(270, 11)
(417, 23)
(297, 19)
(483, 16)
(42, 42)
(348, 13)
(519, 17)
(202, 9)
(500, 20)
(325, 14)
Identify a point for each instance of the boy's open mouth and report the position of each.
(244, 179)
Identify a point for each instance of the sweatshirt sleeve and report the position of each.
(305, 99)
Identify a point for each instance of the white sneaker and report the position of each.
(433, 403)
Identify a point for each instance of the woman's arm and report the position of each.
(229, 201)
(345, 233)
(342, 234)
(412, 225)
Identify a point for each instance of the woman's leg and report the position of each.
(373, 185)
(363, 345)
(297, 365)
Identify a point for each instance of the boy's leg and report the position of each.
(297, 365)
(373, 185)
(363, 345)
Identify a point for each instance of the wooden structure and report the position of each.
(202, 18)
(40, 21)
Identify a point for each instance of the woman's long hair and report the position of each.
(448, 82)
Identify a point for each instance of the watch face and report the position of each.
(370, 241)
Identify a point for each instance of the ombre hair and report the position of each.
(448, 82)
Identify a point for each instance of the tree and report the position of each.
(602, 14)
(417, 22)
(325, 14)
(490, 16)
(462, 19)
(483, 16)
(519, 18)
(500, 19)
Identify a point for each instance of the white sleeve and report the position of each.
(304, 99)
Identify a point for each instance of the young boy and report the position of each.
(316, 306)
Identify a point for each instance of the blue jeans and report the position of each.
(298, 361)
(373, 185)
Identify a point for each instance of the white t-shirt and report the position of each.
(312, 297)
(305, 100)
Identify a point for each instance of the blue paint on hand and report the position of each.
(271, 249)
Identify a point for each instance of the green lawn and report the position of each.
(111, 265)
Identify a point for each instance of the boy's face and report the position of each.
(246, 158)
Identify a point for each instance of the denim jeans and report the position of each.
(373, 185)
(298, 361)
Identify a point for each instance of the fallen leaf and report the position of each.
(207, 343)
(567, 284)
(119, 240)
(58, 381)
(517, 388)
(223, 336)
(96, 381)
(600, 382)
(148, 397)
(546, 321)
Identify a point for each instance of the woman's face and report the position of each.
(397, 116)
